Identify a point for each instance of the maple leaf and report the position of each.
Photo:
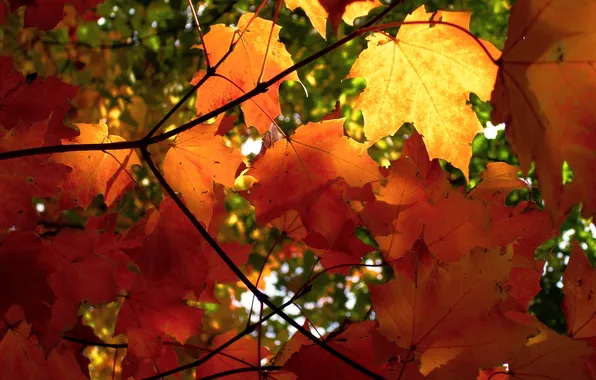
(46, 14)
(291, 347)
(20, 355)
(243, 353)
(439, 311)
(242, 68)
(542, 94)
(525, 226)
(95, 172)
(170, 248)
(217, 270)
(23, 178)
(290, 224)
(309, 162)
(198, 159)
(412, 199)
(427, 76)
(318, 11)
(326, 212)
(162, 309)
(146, 355)
(547, 354)
(20, 181)
(73, 350)
(498, 180)
(579, 284)
(85, 267)
(359, 342)
(25, 102)
(23, 270)
(3, 11)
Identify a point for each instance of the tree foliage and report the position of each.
(298, 189)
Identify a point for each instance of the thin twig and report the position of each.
(275, 16)
(248, 330)
(260, 88)
(198, 24)
(261, 272)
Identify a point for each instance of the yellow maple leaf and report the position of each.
(424, 76)
(320, 11)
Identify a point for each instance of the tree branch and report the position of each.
(241, 276)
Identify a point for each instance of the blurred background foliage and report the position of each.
(134, 61)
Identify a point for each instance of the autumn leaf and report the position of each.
(290, 224)
(198, 159)
(547, 354)
(543, 92)
(498, 180)
(24, 271)
(309, 163)
(24, 102)
(438, 276)
(20, 355)
(411, 201)
(85, 267)
(291, 347)
(427, 75)
(20, 181)
(440, 311)
(319, 11)
(98, 172)
(358, 341)
(163, 309)
(146, 355)
(241, 70)
(170, 248)
(579, 284)
(46, 15)
(27, 177)
(243, 353)
(525, 226)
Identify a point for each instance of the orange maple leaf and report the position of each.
(360, 342)
(319, 11)
(547, 354)
(498, 180)
(95, 172)
(544, 95)
(525, 225)
(446, 312)
(579, 284)
(415, 196)
(241, 70)
(243, 353)
(314, 164)
(198, 159)
(424, 76)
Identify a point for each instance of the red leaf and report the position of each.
(240, 354)
(23, 102)
(158, 308)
